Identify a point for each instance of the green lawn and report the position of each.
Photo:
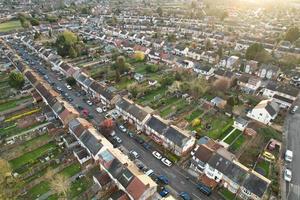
(124, 82)
(227, 194)
(79, 186)
(218, 122)
(151, 95)
(11, 25)
(14, 130)
(71, 170)
(264, 166)
(13, 103)
(226, 131)
(232, 137)
(31, 143)
(38, 190)
(32, 155)
(196, 113)
(238, 143)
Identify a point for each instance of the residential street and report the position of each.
(292, 130)
(175, 174)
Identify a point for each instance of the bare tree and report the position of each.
(7, 182)
(221, 84)
(60, 185)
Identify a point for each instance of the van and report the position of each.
(149, 172)
(288, 156)
(204, 189)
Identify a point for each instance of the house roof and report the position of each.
(91, 142)
(102, 177)
(137, 112)
(281, 98)
(285, 89)
(123, 104)
(156, 124)
(219, 162)
(31, 76)
(235, 173)
(241, 120)
(175, 136)
(203, 153)
(81, 152)
(136, 188)
(255, 185)
(270, 106)
(125, 177)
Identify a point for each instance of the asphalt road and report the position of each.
(292, 134)
(176, 175)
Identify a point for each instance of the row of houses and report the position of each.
(116, 170)
(88, 145)
(217, 166)
(159, 130)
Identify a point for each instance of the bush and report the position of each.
(196, 122)
(151, 68)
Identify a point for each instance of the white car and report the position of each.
(99, 110)
(69, 87)
(119, 140)
(166, 162)
(157, 155)
(287, 175)
(122, 128)
(89, 102)
(134, 154)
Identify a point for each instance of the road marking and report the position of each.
(196, 196)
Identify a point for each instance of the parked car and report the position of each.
(149, 172)
(204, 189)
(147, 146)
(134, 154)
(157, 155)
(122, 128)
(119, 140)
(69, 87)
(294, 109)
(164, 192)
(89, 102)
(185, 196)
(287, 175)
(163, 179)
(288, 156)
(166, 162)
(99, 110)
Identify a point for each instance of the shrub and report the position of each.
(196, 122)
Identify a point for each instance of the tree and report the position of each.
(16, 80)
(292, 34)
(167, 80)
(139, 56)
(50, 33)
(159, 11)
(60, 185)
(107, 126)
(175, 87)
(71, 81)
(207, 44)
(198, 87)
(221, 84)
(37, 35)
(34, 22)
(220, 52)
(68, 44)
(7, 182)
(257, 52)
(151, 68)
